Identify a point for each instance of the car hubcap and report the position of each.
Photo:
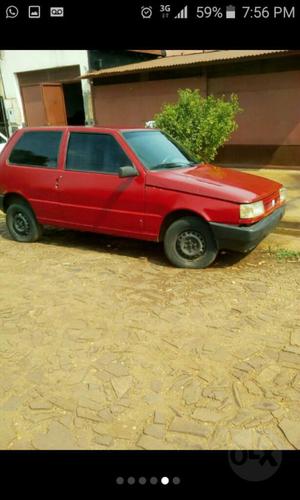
(21, 224)
(190, 245)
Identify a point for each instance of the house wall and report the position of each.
(132, 104)
(268, 128)
(14, 62)
(271, 114)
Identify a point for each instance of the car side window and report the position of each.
(37, 149)
(93, 152)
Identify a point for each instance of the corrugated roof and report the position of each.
(178, 61)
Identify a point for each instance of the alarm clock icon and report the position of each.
(146, 12)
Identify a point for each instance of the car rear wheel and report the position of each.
(22, 224)
(188, 242)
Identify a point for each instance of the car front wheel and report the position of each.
(22, 224)
(188, 242)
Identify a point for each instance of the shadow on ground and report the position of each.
(151, 251)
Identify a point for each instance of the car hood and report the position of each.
(215, 182)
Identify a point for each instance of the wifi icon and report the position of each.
(183, 14)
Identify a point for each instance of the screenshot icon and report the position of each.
(34, 11)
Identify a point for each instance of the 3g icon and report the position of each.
(165, 10)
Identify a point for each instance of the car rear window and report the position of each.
(37, 149)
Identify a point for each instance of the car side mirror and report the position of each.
(128, 171)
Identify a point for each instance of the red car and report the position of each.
(137, 183)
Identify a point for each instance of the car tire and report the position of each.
(189, 243)
(22, 224)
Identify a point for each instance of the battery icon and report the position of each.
(230, 12)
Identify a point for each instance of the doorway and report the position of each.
(74, 103)
(53, 104)
(52, 96)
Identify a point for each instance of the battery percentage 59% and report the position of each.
(206, 12)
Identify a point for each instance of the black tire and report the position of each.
(189, 243)
(22, 224)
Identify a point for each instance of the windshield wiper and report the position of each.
(173, 165)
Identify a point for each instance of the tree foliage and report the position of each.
(200, 124)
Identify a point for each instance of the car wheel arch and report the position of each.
(11, 198)
(175, 215)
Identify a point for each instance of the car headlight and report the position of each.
(252, 210)
(283, 194)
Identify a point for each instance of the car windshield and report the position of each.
(157, 150)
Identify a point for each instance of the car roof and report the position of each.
(84, 128)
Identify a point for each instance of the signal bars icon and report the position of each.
(183, 14)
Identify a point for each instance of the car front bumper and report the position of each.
(245, 238)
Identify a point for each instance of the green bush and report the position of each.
(200, 124)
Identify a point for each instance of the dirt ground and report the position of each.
(104, 345)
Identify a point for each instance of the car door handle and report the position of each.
(57, 181)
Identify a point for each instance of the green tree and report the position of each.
(200, 124)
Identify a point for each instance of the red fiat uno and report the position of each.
(137, 183)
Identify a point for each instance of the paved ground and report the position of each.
(103, 345)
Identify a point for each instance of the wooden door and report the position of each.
(34, 109)
(54, 104)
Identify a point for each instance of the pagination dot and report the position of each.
(164, 480)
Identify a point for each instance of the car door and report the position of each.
(92, 194)
(34, 165)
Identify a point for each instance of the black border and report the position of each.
(116, 25)
(89, 472)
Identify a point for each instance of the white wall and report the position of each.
(17, 61)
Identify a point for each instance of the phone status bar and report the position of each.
(218, 12)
